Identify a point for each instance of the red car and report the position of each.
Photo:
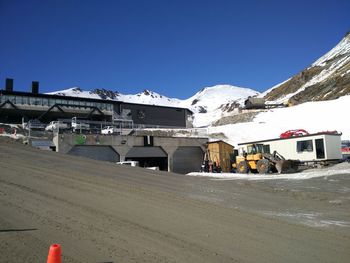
(293, 133)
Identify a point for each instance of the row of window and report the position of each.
(302, 146)
(25, 100)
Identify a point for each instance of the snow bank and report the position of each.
(343, 168)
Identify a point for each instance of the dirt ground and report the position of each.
(101, 212)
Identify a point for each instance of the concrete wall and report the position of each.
(123, 144)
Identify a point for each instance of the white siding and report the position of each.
(333, 147)
(288, 148)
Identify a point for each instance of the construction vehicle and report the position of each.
(257, 158)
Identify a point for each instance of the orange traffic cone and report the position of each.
(54, 254)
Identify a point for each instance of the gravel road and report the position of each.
(101, 212)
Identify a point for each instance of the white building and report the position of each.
(324, 146)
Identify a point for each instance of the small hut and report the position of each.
(219, 154)
(254, 103)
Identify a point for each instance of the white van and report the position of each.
(55, 125)
(130, 163)
(109, 130)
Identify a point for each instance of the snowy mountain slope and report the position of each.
(312, 116)
(327, 78)
(212, 103)
(208, 105)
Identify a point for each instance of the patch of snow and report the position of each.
(343, 168)
(346, 73)
(309, 219)
(75, 92)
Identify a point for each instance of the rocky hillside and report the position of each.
(328, 78)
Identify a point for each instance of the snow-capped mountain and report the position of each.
(208, 105)
(213, 103)
(326, 79)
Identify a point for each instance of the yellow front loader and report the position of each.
(257, 159)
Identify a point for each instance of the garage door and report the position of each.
(149, 156)
(102, 153)
(187, 159)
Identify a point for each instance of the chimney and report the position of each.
(9, 85)
(35, 87)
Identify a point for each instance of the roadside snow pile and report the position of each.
(312, 116)
(342, 168)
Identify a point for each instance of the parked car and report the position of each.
(108, 130)
(137, 164)
(55, 125)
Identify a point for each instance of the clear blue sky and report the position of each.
(173, 47)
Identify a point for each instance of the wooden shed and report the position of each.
(219, 152)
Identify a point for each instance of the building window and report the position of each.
(266, 148)
(45, 102)
(25, 100)
(19, 100)
(12, 99)
(305, 146)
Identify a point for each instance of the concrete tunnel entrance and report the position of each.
(149, 156)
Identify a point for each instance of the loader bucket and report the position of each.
(287, 166)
